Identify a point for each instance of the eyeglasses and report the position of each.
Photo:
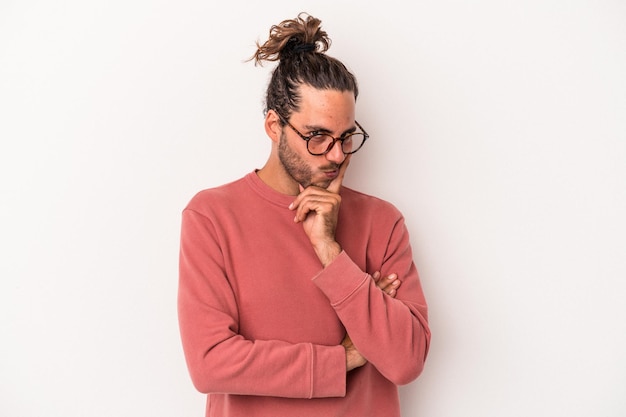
(321, 143)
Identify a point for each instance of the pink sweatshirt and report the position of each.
(261, 321)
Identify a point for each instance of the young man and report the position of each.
(290, 301)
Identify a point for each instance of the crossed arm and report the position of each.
(388, 285)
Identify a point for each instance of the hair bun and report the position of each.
(295, 46)
(293, 38)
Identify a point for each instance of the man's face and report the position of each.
(326, 111)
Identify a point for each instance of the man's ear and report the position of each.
(272, 126)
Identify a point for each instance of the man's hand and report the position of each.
(318, 209)
(388, 285)
(353, 358)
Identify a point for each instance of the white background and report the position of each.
(497, 127)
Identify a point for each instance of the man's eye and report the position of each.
(319, 138)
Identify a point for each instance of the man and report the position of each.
(278, 313)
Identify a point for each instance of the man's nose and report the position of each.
(336, 154)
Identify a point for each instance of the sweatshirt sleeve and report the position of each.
(391, 333)
(220, 359)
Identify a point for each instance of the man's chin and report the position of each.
(321, 184)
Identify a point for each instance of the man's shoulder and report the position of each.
(220, 195)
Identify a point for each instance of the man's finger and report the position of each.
(335, 185)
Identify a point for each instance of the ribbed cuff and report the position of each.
(340, 279)
(328, 371)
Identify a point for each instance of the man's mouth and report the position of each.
(331, 174)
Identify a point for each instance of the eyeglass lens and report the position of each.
(320, 144)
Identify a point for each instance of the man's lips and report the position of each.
(331, 174)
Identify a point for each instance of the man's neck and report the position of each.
(277, 179)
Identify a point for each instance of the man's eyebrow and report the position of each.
(319, 129)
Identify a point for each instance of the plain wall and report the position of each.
(497, 127)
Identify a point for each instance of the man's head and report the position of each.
(310, 105)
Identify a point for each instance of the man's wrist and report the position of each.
(327, 252)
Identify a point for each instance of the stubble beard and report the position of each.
(296, 167)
